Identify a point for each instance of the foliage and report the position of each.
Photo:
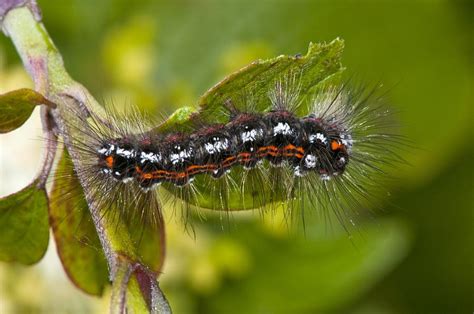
(24, 225)
(17, 106)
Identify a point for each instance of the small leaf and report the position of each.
(74, 232)
(24, 228)
(17, 106)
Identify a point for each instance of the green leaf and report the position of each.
(74, 232)
(17, 106)
(321, 66)
(24, 228)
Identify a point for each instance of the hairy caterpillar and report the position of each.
(326, 152)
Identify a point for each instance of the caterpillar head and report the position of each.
(116, 159)
(327, 149)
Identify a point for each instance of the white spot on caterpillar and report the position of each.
(107, 151)
(282, 128)
(150, 157)
(217, 147)
(346, 140)
(310, 161)
(318, 136)
(298, 172)
(210, 148)
(126, 153)
(174, 158)
(181, 156)
(127, 180)
(250, 136)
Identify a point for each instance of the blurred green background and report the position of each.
(415, 256)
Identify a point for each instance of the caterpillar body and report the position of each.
(306, 144)
(328, 158)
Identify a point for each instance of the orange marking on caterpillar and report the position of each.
(180, 175)
(272, 148)
(157, 174)
(293, 147)
(109, 161)
(197, 167)
(229, 161)
(244, 155)
(335, 145)
(274, 154)
(299, 156)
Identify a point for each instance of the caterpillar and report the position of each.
(329, 158)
